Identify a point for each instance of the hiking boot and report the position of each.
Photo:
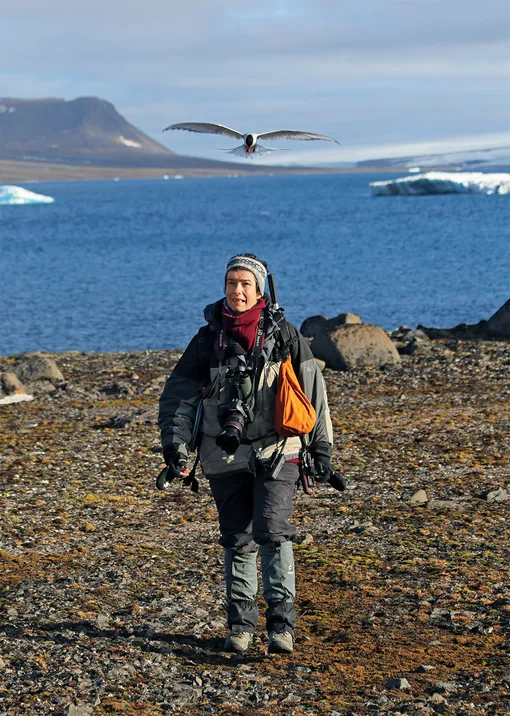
(238, 641)
(280, 642)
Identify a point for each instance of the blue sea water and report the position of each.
(124, 265)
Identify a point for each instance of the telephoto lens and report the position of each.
(230, 437)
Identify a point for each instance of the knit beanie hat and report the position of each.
(249, 263)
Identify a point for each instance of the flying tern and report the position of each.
(250, 141)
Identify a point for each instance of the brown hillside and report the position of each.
(85, 131)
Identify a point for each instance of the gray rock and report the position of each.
(440, 615)
(350, 346)
(397, 683)
(344, 319)
(409, 341)
(313, 325)
(10, 384)
(291, 699)
(102, 621)
(499, 495)
(424, 668)
(360, 527)
(117, 388)
(33, 367)
(414, 346)
(419, 498)
(40, 387)
(317, 324)
(78, 710)
(437, 699)
(442, 687)
(406, 334)
(498, 324)
(449, 505)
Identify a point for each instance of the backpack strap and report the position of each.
(284, 340)
(191, 479)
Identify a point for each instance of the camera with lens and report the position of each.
(235, 410)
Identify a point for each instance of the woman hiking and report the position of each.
(230, 369)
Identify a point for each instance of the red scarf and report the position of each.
(243, 326)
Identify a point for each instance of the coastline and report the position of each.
(99, 564)
(28, 172)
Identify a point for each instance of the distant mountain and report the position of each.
(84, 131)
(468, 160)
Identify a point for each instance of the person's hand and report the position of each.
(323, 469)
(175, 467)
(337, 481)
(325, 473)
(176, 462)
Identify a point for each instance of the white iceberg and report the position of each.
(18, 195)
(443, 183)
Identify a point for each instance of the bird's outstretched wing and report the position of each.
(294, 134)
(206, 128)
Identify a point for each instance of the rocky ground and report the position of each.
(111, 597)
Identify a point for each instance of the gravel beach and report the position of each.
(111, 596)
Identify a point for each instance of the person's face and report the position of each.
(241, 290)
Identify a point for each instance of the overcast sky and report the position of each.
(378, 75)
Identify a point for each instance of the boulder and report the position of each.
(10, 384)
(317, 324)
(346, 346)
(498, 325)
(408, 340)
(36, 367)
(313, 325)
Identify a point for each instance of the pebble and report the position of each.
(397, 683)
(499, 495)
(436, 698)
(102, 621)
(78, 710)
(452, 505)
(419, 498)
(291, 699)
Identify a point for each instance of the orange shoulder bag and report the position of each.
(294, 414)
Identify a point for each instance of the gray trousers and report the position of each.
(254, 514)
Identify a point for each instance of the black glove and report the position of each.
(337, 481)
(323, 468)
(325, 473)
(175, 464)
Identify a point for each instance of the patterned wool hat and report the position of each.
(251, 263)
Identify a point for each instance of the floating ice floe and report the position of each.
(18, 195)
(443, 183)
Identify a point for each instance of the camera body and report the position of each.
(235, 410)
